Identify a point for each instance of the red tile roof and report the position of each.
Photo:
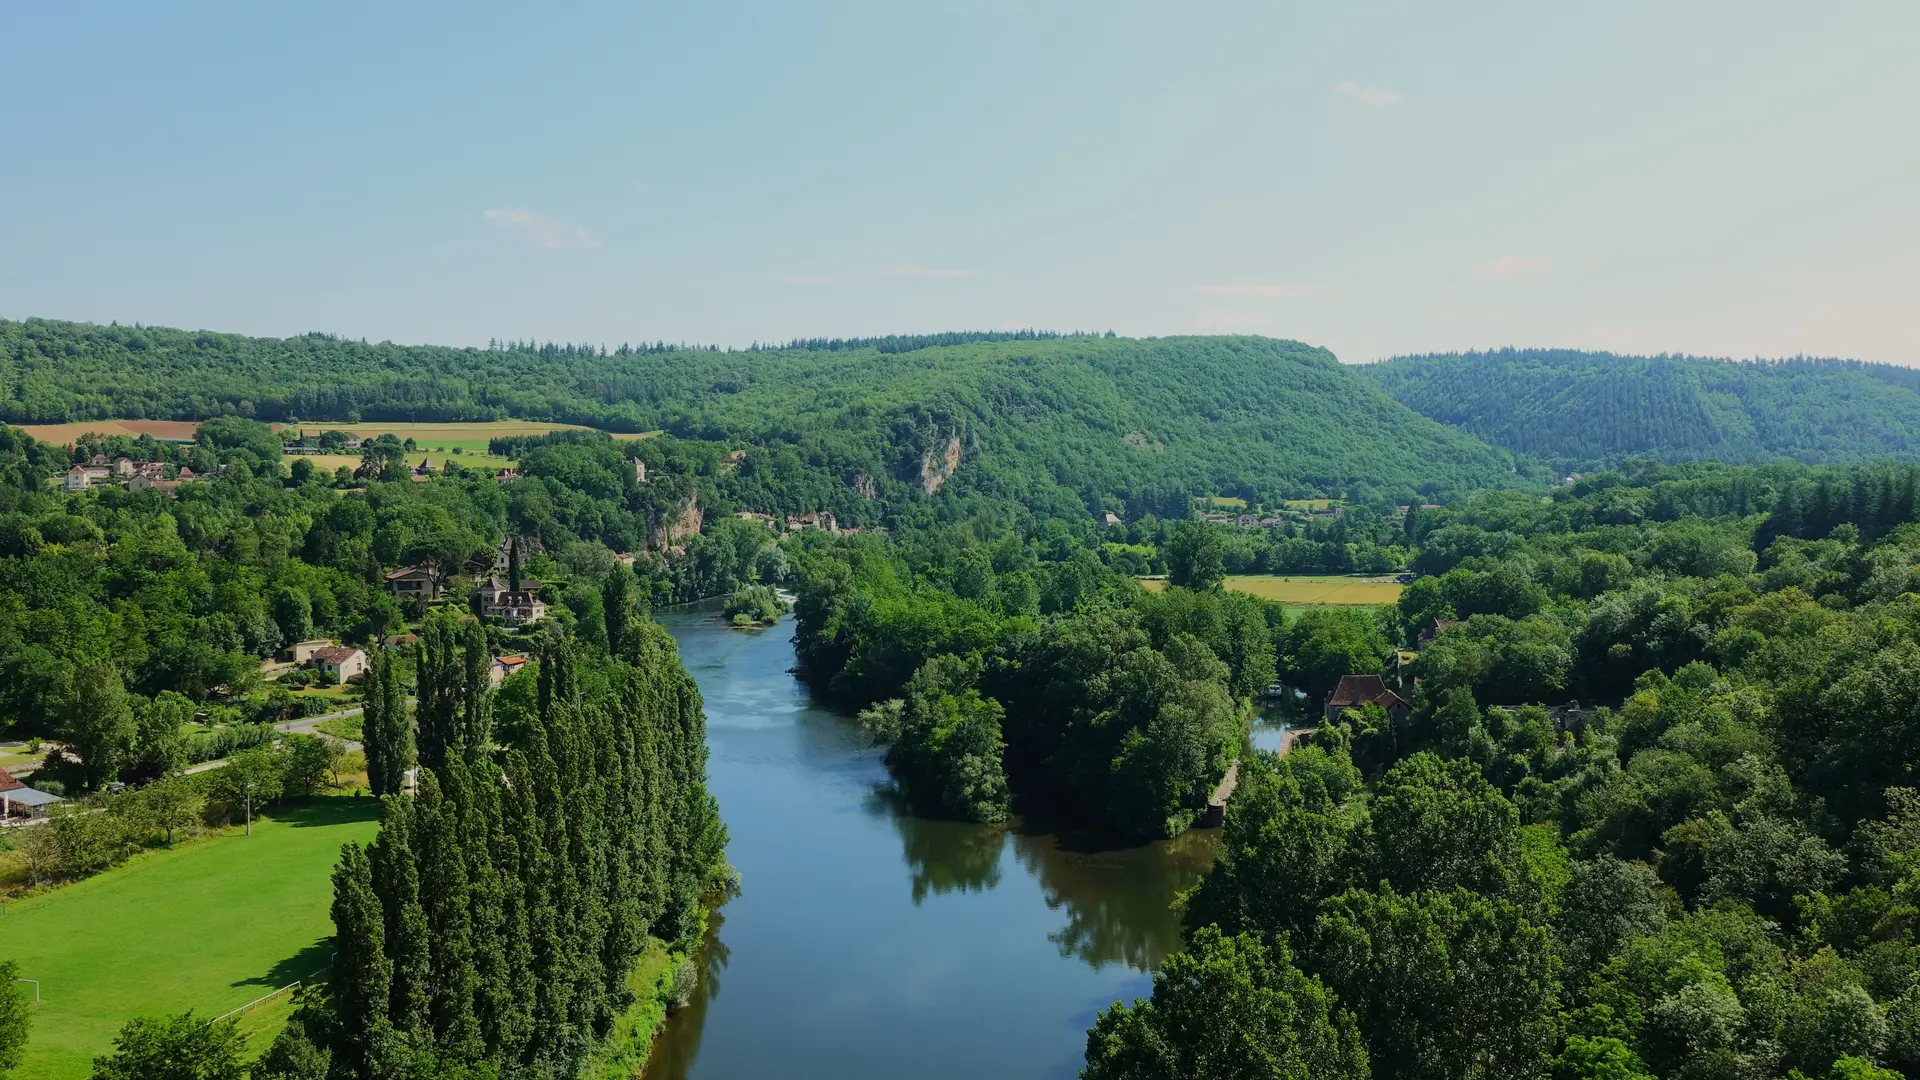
(1356, 690)
(8, 783)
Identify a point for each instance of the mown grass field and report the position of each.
(209, 925)
(1300, 590)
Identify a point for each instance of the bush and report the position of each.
(686, 980)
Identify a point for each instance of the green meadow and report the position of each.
(209, 925)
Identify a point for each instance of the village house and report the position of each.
(340, 663)
(1356, 691)
(145, 482)
(823, 521)
(422, 472)
(502, 667)
(506, 476)
(1439, 627)
(1216, 519)
(301, 652)
(749, 515)
(626, 559)
(414, 581)
(1109, 519)
(395, 641)
(123, 467)
(78, 479)
(517, 606)
(639, 471)
(18, 799)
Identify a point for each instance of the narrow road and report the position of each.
(303, 726)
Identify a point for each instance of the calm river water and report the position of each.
(867, 943)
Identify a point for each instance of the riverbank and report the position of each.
(863, 932)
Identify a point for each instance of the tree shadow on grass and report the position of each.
(324, 812)
(303, 964)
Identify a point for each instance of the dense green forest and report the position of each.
(1577, 410)
(1700, 869)
(1650, 809)
(1064, 424)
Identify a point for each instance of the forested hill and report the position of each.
(1058, 422)
(1580, 408)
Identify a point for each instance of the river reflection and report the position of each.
(870, 943)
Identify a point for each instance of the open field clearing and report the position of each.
(1301, 590)
(468, 458)
(68, 434)
(210, 925)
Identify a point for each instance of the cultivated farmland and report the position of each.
(1307, 590)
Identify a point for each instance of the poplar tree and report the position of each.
(616, 605)
(386, 733)
(441, 678)
(476, 720)
(445, 906)
(396, 880)
(361, 978)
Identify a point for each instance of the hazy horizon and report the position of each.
(1720, 179)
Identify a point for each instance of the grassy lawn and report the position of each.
(1234, 502)
(349, 728)
(209, 925)
(1303, 590)
(1309, 504)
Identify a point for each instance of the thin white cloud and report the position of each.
(1505, 266)
(543, 231)
(931, 272)
(1270, 292)
(1220, 319)
(1367, 95)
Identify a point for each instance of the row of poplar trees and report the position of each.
(491, 927)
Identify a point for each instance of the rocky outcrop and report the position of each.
(937, 464)
(670, 530)
(863, 486)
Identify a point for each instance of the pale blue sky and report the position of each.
(1731, 178)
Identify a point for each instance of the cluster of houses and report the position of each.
(312, 444)
(824, 521)
(133, 475)
(492, 595)
(1244, 521)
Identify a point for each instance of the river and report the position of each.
(869, 943)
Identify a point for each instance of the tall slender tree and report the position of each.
(361, 978)
(386, 732)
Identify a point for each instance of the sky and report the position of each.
(1718, 178)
